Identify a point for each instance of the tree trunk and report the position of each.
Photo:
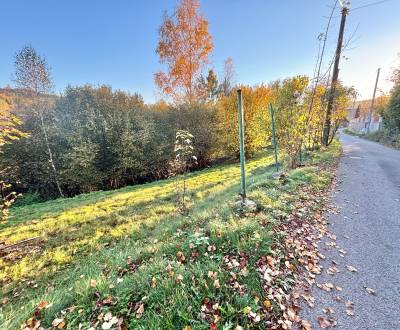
(50, 155)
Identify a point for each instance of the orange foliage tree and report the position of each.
(184, 47)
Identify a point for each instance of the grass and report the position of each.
(129, 253)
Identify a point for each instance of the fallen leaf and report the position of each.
(371, 291)
(93, 283)
(328, 310)
(267, 304)
(42, 304)
(323, 322)
(351, 269)
(58, 323)
(305, 325)
(140, 311)
(179, 278)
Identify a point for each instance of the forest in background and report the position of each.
(95, 138)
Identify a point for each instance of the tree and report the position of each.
(208, 88)
(228, 77)
(184, 47)
(256, 120)
(8, 132)
(8, 123)
(107, 140)
(391, 116)
(32, 74)
(184, 157)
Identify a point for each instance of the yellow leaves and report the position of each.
(93, 283)
(267, 304)
(246, 310)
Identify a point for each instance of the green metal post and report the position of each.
(241, 141)
(271, 109)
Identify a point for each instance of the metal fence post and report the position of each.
(271, 109)
(241, 145)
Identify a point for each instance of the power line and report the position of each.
(370, 4)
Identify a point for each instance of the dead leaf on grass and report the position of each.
(58, 323)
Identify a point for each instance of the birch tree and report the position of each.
(32, 74)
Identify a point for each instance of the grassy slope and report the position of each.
(91, 245)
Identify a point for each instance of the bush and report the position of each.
(29, 198)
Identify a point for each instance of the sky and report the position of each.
(113, 42)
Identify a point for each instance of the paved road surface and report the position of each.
(368, 229)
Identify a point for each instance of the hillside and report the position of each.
(128, 257)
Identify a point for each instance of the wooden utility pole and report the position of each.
(373, 100)
(335, 75)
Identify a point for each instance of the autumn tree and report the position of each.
(32, 74)
(208, 88)
(9, 122)
(9, 132)
(184, 46)
(257, 121)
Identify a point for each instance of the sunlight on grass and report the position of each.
(104, 216)
(101, 236)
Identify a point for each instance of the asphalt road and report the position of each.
(367, 228)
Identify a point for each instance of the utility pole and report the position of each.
(335, 75)
(373, 100)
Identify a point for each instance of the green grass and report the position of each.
(130, 243)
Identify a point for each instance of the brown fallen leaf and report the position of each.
(351, 269)
(326, 286)
(305, 325)
(323, 322)
(58, 323)
(349, 303)
(42, 304)
(140, 311)
(328, 310)
(332, 270)
(371, 291)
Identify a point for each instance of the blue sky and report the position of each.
(113, 42)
